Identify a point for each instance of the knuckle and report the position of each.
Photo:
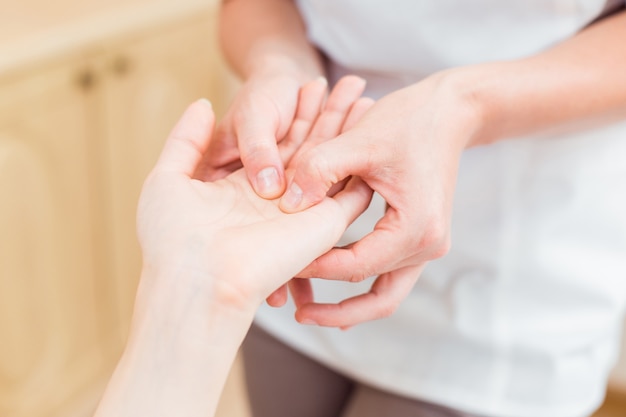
(238, 117)
(315, 170)
(254, 148)
(315, 163)
(386, 309)
(257, 146)
(358, 277)
(435, 239)
(443, 248)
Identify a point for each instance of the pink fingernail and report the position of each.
(293, 197)
(309, 322)
(206, 102)
(267, 181)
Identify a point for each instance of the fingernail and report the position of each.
(206, 101)
(322, 80)
(308, 321)
(267, 181)
(293, 197)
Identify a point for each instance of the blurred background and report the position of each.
(88, 92)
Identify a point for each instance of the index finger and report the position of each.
(188, 141)
(386, 294)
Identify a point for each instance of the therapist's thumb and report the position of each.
(319, 168)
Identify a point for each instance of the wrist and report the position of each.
(177, 293)
(178, 353)
(486, 93)
(269, 59)
(454, 93)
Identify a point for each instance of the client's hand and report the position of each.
(212, 252)
(220, 237)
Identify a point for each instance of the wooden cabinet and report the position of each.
(49, 321)
(80, 127)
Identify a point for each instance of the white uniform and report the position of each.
(522, 317)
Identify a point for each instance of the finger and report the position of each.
(222, 156)
(335, 214)
(189, 139)
(310, 102)
(354, 199)
(278, 298)
(257, 141)
(301, 291)
(326, 164)
(376, 253)
(345, 93)
(304, 236)
(337, 108)
(381, 301)
(358, 109)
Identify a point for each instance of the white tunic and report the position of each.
(522, 317)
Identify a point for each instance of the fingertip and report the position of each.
(278, 298)
(307, 315)
(358, 81)
(303, 319)
(293, 198)
(322, 80)
(205, 102)
(269, 183)
(189, 139)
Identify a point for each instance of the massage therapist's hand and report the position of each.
(407, 148)
(265, 43)
(258, 119)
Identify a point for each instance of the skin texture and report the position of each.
(407, 146)
(212, 252)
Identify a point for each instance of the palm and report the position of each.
(227, 214)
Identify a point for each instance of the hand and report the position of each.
(212, 251)
(256, 122)
(219, 239)
(406, 148)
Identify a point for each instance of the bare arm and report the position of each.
(262, 34)
(580, 81)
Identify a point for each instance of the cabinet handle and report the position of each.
(120, 65)
(86, 79)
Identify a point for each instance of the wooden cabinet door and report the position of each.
(151, 81)
(51, 289)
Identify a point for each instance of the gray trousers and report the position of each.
(282, 382)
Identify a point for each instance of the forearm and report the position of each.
(580, 81)
(178, 355)
(261, 35)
